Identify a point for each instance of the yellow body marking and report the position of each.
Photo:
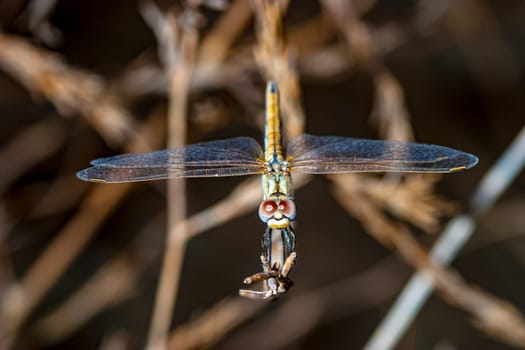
(273, 138)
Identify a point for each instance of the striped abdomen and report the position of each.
(273, 150)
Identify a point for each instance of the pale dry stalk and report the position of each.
(210, 68)
(218, 42)
(411, 199)
(178, 38)
(389, 108)
(210, 327)
(120, 277)
(272, 56)
(113, 284)
(21, 298)
(274, 59)
(495, 316)
(116, 340)
(242, 201)
(451, 240)
(299, 316)
(221, 63)
(110, 286)
(70, 90)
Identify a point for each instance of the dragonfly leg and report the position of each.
(267, 244)
(288, 237)
(292, 239)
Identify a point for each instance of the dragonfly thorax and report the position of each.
(276, 181)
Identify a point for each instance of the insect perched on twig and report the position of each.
(305, 153)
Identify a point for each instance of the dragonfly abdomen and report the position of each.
(273, 149)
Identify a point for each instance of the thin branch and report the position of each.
(454, 236)
(241, 201)
(389, 108)
(117, 340)
(21, 298)
(210, 327)
(273, 57)
(411, 199)
(218, 42)
(70, 90)
(178, 39)
(299, 316)
(495, 316)
(113, 284)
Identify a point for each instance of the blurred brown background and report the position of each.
(460, 65)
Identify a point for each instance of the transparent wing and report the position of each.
(332, 154)
(231, 157)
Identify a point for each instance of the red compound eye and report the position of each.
(287, 207)
(266, 210)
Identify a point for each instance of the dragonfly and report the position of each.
(305, 153)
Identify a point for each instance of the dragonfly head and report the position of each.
(277, 212)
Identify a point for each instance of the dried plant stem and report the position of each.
(178, 47)
(300, 315)
(272, 56)
(21, 298)
(307, 39)
(206, 330)
(455, 235)
(111, 285)
(69, 89)
(114, 283)
(217, 43)
(389, 107)
(119, 272)
(495, 316)
(116, 340)
(242, 200)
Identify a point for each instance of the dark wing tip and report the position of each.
(467, 161)
(473, 161)
(86, 175)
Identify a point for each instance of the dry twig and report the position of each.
(214, 324)
(495, 316)
(21, 298)
(411, 199)
(298, 316)
(178, 39)
(114, 283)
(69, 89)
(389, 109)
(242, 200)
(274, 59)
(455, 235)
